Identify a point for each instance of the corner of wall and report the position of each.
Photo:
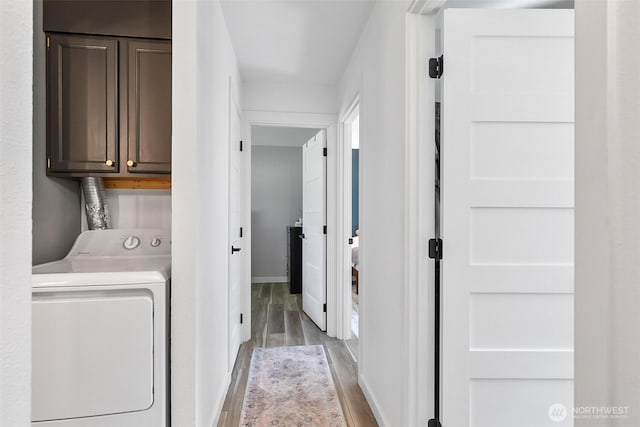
(16, 113)
(377, 72)
(56, 202)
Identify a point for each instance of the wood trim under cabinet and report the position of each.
(138, 183)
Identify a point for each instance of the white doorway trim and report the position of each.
(319, 121)
(344, 217)
(419, 208)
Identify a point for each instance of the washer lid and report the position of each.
(96, 271)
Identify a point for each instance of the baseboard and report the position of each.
(215, 418)
(373, 404)
(275, 279)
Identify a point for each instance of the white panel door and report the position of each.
(236, 229)
(314, 247)
(507, 218)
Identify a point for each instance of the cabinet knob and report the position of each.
(131, 163)
(109, 162)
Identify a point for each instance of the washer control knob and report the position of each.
(131, 242)
(155, 242)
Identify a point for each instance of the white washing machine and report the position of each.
(99, 332)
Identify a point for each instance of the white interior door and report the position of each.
(314, 246)
(236, 230)
(507, 218)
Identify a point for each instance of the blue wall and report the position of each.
(355, 208)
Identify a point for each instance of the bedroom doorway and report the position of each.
(351, 138)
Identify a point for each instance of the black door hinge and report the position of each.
(241, 231)
(324, 151)
(435, 248)
(436, 67)
(324, 229)
(241, 318)
(324, 308)
(241, 145)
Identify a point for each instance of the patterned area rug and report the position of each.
(291, 386)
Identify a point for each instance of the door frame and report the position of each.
(245, 332)
(305, 120)
(420, 98)
(344, 217)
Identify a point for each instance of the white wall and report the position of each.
(607, 273)
(136, 208)
(16, 104)
(377, 71)
(203, 64)
(56, 202)
(276, 202)
(289, 98)
(274, 136)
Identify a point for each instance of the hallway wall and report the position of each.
(355, 190)
(16, 114)
(377, 72)
(204, 74)
(607, 345)
(289, 98)
(276, 202)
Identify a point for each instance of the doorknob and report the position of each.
(234, 249)
(301, 236)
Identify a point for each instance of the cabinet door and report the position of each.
(149, 107)
(82, 104)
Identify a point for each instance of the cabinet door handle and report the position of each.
(109, 162)
(131, 163)
(234, 249)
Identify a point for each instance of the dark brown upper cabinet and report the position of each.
(149, 95)
(108, 106)
(82, 108)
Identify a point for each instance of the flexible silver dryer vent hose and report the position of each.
(95, 204)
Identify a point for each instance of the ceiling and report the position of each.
(281, 136)
(294, 41)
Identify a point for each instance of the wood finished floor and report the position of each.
(278, 320)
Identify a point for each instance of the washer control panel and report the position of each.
(123, 242)
(135, 241)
